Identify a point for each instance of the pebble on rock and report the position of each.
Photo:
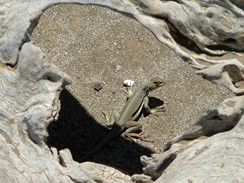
(97, 86)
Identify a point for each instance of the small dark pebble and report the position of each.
(97, 87)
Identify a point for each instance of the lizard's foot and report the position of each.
(128, 91)
(139, 136)
(128, 137)
(134, 135)
(154, 111)
(160, 109)
(108, 123)
(146, 138)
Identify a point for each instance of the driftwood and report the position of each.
(30, 87)
(204, 160)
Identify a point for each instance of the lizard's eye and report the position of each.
(157, 83)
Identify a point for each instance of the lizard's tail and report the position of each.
(116, 130)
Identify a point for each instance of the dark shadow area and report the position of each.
(78, 131)
(153, 103)
(190, 45)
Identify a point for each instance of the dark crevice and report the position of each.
(179, 37)
(221, 47)
(230, 40)
(189, 44)
(78, 131)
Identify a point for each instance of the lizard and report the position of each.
(126, 120)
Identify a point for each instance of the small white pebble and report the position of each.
(118, 67)
(128, 82)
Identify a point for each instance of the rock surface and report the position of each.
(31, 86)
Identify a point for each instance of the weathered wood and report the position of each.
(30, 88)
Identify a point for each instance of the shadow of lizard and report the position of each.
(78, 131)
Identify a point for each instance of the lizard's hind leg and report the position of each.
(132, 129)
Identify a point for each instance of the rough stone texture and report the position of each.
(218, 119)
(226, 72)
(202, 29)
(30, 87)
(204, 160)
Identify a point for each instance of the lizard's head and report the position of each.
(156, 82)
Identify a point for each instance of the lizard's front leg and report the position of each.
(129, 92)
(148, 109)
(114, 116)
